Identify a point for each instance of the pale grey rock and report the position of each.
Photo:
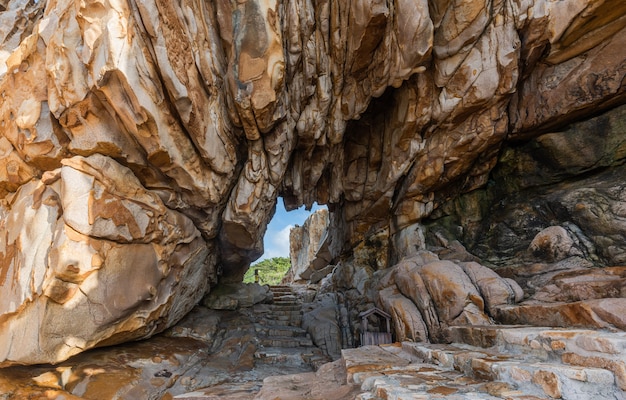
(309, 248)
(321, 321)
(233, 296)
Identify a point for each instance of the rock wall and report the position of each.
(144, 143)
(309, 250)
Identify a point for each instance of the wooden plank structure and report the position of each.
(375, 338)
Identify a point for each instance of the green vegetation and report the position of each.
(271, 271)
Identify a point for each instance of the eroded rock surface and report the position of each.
(309, 250)
(144, 144)
(425, 295)
(92, 257)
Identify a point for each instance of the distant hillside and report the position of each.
(271, 270)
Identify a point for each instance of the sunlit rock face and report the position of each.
(91, 257)
(309, 249)
(143, 144)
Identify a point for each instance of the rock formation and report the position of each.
(309, 250)
(144, 145)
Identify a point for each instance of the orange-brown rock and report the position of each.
(425, 295)
(144, 144)
(309, 248)
(88, 256)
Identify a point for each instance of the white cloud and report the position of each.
(277, 243)
(276, 239)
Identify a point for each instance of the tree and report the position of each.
(271, 270)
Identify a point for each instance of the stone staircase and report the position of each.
(485, 362)
(280, 334)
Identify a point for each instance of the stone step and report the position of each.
(391, 372)
(443, 355)
(548, 379)
(286, 300)
(424, 371)
(281, 321)
(270, 310)
(280, 287)
(576, 347)
(280, 330)
(370, 358)
(281, 291)
(292, 357)
(282, 315)
(425, 382)
(223, 391)
(285, 307)
(540, 340)
(524, 371)
(285, 341)
(316, 358)
(581, 314)
(285, 355)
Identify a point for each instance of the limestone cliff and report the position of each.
(144, 143)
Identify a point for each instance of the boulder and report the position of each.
(452, 292)
(321, 321)
(69, 239)
(553, 244)
(425, 295)
(233, 296)
(410, 284)
(407, 319)
(494, 289)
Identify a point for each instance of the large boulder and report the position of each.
(425, 295)
(91, 259)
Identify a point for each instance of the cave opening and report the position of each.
(276, 260)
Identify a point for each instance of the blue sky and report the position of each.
(276, 238)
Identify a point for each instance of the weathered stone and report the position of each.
(407, 319)
(599, 313)
(93, 227)
(308, 247)
(587, 284)
(210, 352)
(411, 285)
(233, 296)
(548, 382)
(494, 289)
(145, 144)
(329, 382)
(321, 321)
(553, 244)
(451, 290)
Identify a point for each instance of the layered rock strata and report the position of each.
(488, 363)
(144, 144)
(309, 250)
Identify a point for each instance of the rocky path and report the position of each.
(265, 354)
(490, 362)
(283, 347)
(281, 336)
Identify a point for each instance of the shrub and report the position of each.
(271, 271)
